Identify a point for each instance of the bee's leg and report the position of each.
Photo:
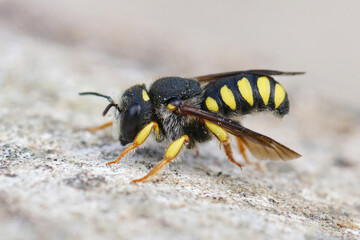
(196, 153)
(170, 153)
(94, 129)
(224, 138)
(243, 153)
(242, 150)
(139, 139)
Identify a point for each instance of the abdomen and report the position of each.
(245, 93)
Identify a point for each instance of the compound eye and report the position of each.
(130, 124)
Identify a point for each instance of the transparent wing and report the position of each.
(261, 146)
(214, 77)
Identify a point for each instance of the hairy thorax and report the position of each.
(174, 125)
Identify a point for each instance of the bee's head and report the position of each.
(132, 113)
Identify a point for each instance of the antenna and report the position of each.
(98, 94)
(112, 103)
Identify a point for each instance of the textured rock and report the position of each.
(54, 182)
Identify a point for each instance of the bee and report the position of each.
(189, 111)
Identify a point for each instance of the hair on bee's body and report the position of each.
(185, 112)
(173, 126)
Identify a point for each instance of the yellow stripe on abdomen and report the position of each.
(228, 97)
(263, 85)
(246, 90)
(279, 95)
(211, 104)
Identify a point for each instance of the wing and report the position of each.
(213, 77)
(261, 146)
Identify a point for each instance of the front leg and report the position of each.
(139, 139)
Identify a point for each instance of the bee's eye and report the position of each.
(130, 124)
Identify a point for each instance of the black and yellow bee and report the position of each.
(184, 112)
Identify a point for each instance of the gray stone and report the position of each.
(54, 183)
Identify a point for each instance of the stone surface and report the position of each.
(53, 180)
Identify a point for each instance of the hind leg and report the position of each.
(224, 138)
(243, 153)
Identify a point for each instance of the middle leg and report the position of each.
(171, 152)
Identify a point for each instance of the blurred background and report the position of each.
(199, 37)
(51, 50)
